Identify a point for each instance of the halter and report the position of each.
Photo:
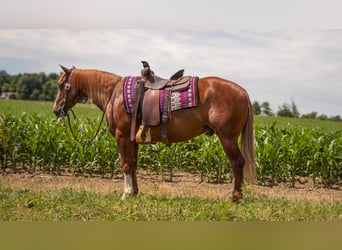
(67, 87)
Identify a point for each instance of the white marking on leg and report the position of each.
(128, 188)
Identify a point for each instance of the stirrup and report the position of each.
(143, 135)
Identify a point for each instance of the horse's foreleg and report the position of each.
(129, 154)
(232, 150)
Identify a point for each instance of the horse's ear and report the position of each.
(73, 67)
(66, 70)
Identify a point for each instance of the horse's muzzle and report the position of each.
(60, 112)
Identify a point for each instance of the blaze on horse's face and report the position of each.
(67, 95)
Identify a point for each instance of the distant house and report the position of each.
(8, 95)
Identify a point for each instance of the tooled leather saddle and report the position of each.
(146, 108)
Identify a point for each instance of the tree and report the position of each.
(7, 87)
(295, 112)
(27, 83)
(285, 110)
(335, 118)
(35, 94)
(53, 76)
(266, 109)
(288, 110)
(322, 117)
(49, 90)
(14, 82)
(256, 108)
(312, 115)
(4, 79)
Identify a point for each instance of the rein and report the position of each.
(86, 143)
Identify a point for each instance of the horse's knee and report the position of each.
(126, 168)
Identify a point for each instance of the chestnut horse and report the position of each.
(224, 108)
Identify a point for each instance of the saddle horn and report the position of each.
(146, 71)
(145, 64)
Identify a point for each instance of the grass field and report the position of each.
(67, 198)
(299, 122)
(69, 205)
(45, 108)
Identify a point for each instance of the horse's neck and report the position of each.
(98, 86)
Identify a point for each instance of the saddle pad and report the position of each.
(128, 92)
(187, 98)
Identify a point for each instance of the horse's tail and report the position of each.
(247, 146)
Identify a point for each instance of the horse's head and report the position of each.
(68, 93)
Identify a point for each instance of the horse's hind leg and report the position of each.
(129, 155)
(237, 162)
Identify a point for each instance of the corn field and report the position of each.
(37, 143)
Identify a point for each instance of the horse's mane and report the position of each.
(97, 85)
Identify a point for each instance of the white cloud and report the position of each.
(273, 66)
(206, 14)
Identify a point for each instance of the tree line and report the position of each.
(43, 87)
(289, 110)
(30, 86)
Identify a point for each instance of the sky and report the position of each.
(276, 58)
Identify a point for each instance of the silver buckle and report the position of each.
(67, 86)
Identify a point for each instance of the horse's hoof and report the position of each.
(128, 195)
(125, 196)
(236, 196)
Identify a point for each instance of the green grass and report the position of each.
(327, 125)
(70, 205)
(18, 107)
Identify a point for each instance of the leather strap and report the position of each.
(165, 116)
(138, 95)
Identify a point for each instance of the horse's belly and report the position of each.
(182, 125)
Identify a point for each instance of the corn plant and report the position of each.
(287, 152)
(326, 160)
(31, 142)
(269, 154)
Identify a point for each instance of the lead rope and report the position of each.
(86, 143)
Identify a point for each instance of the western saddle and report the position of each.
(146, 105)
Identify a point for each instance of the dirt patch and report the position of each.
(183, 185)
